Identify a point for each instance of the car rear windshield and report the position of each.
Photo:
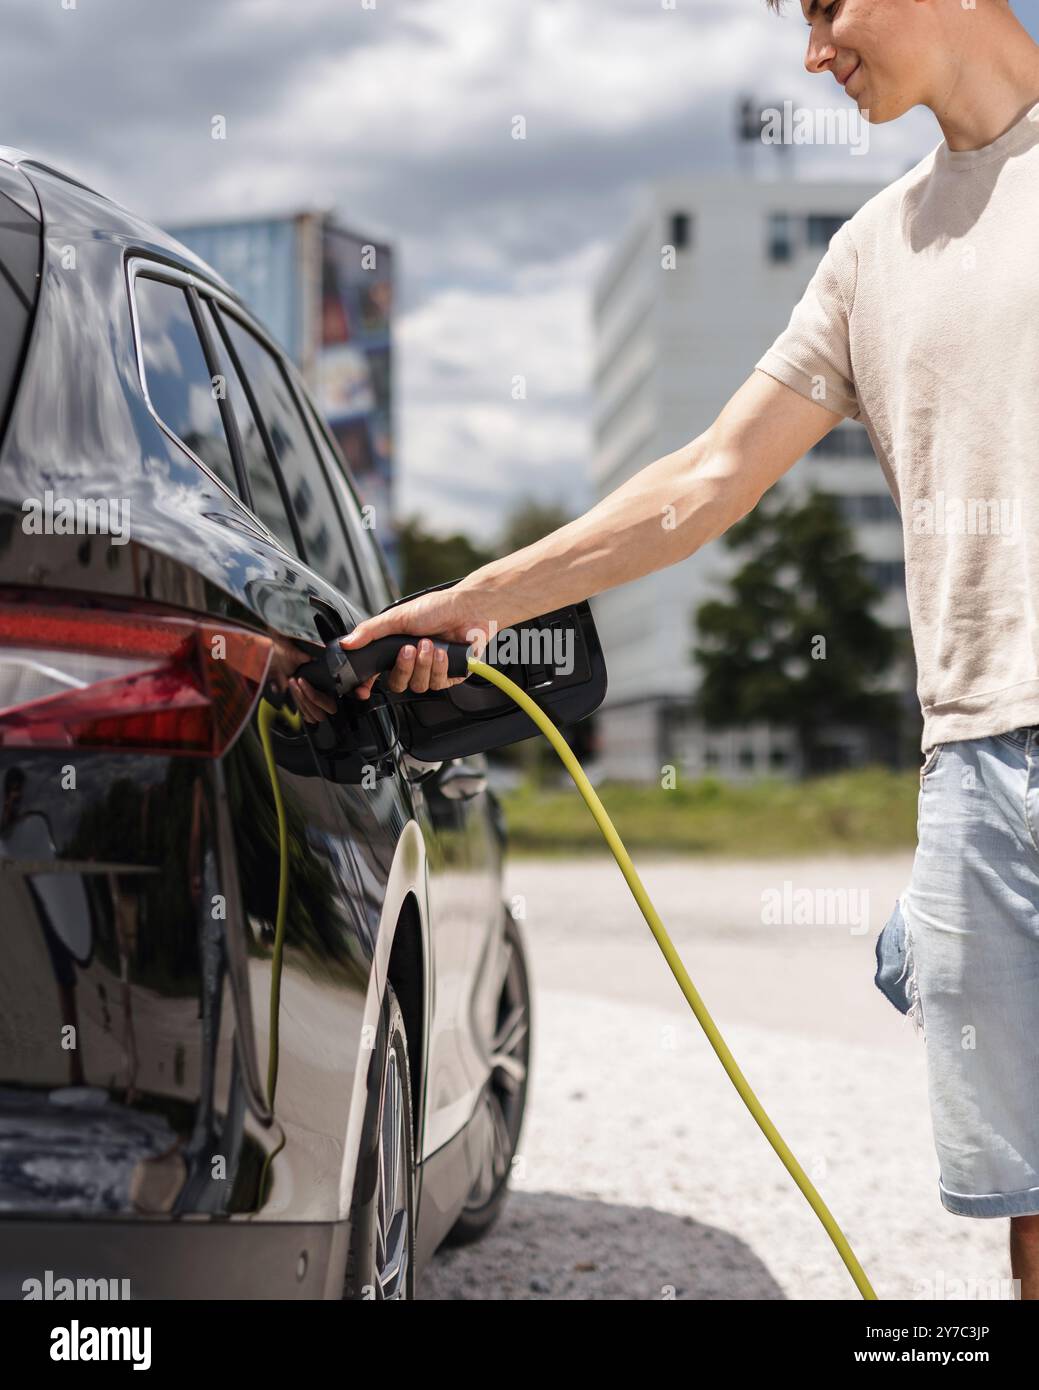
(19, 278)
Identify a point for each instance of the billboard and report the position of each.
(351, 375)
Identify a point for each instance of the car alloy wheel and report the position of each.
(381, 1252)
(503, 1096)
(392, 1204)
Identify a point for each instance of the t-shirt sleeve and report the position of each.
(813, 353)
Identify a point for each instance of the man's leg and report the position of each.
(972, 932)
(1024, 1253)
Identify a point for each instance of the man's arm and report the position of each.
(665, 513)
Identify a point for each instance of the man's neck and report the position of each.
(992, 81)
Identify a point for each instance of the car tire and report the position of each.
(380, 1261)
(504, 1096)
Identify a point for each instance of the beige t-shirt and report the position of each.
(922, 322)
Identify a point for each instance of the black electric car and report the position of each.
(264, 1016)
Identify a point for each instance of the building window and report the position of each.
(787, 232)
(780, 243)
(873, 506)
(681, 231)
(821, 226)
(887, 574)
(845, 442)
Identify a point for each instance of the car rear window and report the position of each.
(180, 387)
(20, 244)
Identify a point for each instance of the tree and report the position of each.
(426, 559)
(528, 522)
(796, 644)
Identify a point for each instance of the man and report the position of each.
(922, 321)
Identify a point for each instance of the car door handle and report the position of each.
(460, 781)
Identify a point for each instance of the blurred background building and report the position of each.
(670, 349)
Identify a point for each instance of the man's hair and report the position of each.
(777, 5)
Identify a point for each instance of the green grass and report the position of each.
(868, 810)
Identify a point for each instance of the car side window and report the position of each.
(177, 377)
(313, 505)
(267, 500)
(362, 540)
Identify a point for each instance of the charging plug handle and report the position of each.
(338, 672)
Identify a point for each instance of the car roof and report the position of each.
(62, 196)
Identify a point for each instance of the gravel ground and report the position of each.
(640, 1173)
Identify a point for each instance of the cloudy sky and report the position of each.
(398, 114)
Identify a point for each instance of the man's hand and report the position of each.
(286, 658)
(313, 705)
(458, 614)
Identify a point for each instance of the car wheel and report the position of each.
(504, 1098)
(381, 1256)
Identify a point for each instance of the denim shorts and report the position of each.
(971, 969)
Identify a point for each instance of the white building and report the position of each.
(672, 345)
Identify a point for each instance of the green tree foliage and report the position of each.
(795, 642)
(427, 559)
(528, 522)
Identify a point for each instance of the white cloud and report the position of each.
(464, 441)
(400, 118)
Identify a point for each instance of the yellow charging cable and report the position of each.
(685, 984)
(266, 716)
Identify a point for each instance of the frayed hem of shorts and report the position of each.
(990, 1204)
(908, 977)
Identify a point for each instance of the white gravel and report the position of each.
(640, 1173)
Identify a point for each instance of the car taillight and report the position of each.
(125, 681)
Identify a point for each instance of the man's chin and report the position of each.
(879, 112)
